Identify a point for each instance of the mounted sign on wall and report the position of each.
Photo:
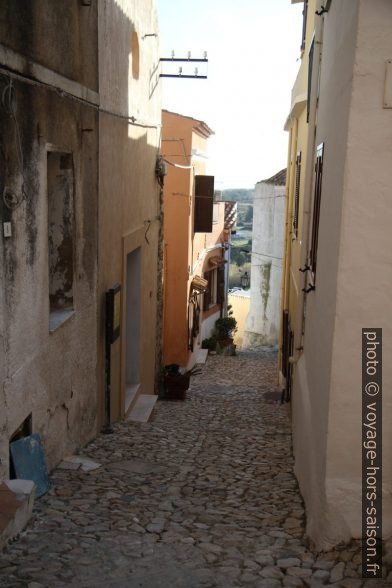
(113, 307)
(112, 332)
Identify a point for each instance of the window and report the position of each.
(60, 186)
(135, 55)
(204, 204)
(305, 17)
(310, 68)
(211, 296)
(316, 208)
(296, 194)
(215, 215)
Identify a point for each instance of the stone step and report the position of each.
(16, 506)
(202, 355)
(143, 408)
(131, 392)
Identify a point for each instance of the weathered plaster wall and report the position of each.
(63, 39)
(48, 375)
(129, 193)
(262, 324)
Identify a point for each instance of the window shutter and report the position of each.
(204, 204)
(207, 293)
(310, 68)
(296, 196)
(305, 17)
(285, 328)
(221, 285)
(287, 351)
(316, 207)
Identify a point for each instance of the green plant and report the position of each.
(225, 327)
(209, 343)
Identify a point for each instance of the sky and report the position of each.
(253, 50)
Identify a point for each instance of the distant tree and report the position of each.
(238, 195)
(249, 214)
(238, 257)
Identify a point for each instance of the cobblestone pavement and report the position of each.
(203, 495)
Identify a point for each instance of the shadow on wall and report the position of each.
(57, 373)
(129, 199)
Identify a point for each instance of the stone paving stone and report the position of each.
(204, 495)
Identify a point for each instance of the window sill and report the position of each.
(212, 310)
(58, 318)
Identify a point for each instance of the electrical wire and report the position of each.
(181, 141)
(258, 253)
(63, 93)
(8, 101)
(177, 164)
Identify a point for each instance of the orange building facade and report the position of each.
(195, 241)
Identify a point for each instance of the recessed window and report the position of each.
(211, 295)
(135, 55)
(60, 178)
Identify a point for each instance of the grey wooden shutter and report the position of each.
(221, 285)
(296, 196)
(304, 22)
(204, 204)
(310, 68)
(316, 207)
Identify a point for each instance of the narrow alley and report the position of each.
(203, 495)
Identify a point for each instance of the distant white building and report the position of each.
(262, 323)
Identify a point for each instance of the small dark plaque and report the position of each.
(113, 313)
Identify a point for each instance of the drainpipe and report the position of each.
(309, 175)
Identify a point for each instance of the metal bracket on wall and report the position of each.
(309, 288)
(184, 60)
(324, 9)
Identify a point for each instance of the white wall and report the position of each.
(353, 273)
(262, 324)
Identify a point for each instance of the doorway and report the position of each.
(133, 312)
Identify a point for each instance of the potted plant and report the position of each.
(176, 383)
(209, 343)
(226, 328)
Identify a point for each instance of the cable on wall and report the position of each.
(177, 164)
(9, 103)
(132, 120)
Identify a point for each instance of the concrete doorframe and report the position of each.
(132, 313)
